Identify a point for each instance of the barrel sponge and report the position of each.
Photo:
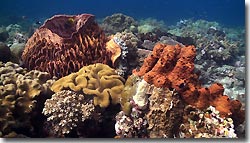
(64, 44)
(97, 79)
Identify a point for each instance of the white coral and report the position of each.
(66, 109)
(141, 98)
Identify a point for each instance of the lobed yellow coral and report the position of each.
(97, 79)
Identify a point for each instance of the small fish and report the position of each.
(71, 21)
(38, 22)
(24, 17)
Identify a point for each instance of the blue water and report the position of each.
(226, 12)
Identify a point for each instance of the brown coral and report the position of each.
(98, 79)
(118, 22)
(173, 67)
(21, 94)
(63, 44)
(165, 113)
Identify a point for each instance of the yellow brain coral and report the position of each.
(98, 80)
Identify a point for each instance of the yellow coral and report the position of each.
(128, 92)
(28, 88)
(98, 80)
(114, 48)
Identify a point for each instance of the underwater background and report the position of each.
(122, 69)
(227, 12)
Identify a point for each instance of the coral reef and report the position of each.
(127, 59)
(173, 67)
(134, 126)
(14, 39)
(66, 110)
(117, 23)
(151, 25)
(206, 124)
(16, 34)
(165, 113)
(63, 44)
(212, 41)
(22, 93)
(148, 111)
(98, 80)
(142, 54)
(231, 77)
(188, 79)
(131, 121)
(216, 46)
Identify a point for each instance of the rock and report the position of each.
(5, 53)
(142, 54)
(16, 51)
(147, 44)
(240, 73)
(4, 35)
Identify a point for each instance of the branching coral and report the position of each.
(98, 80)
(66, 110)
(66, 43)
(21, 92)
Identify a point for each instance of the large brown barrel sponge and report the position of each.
(64, 44)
